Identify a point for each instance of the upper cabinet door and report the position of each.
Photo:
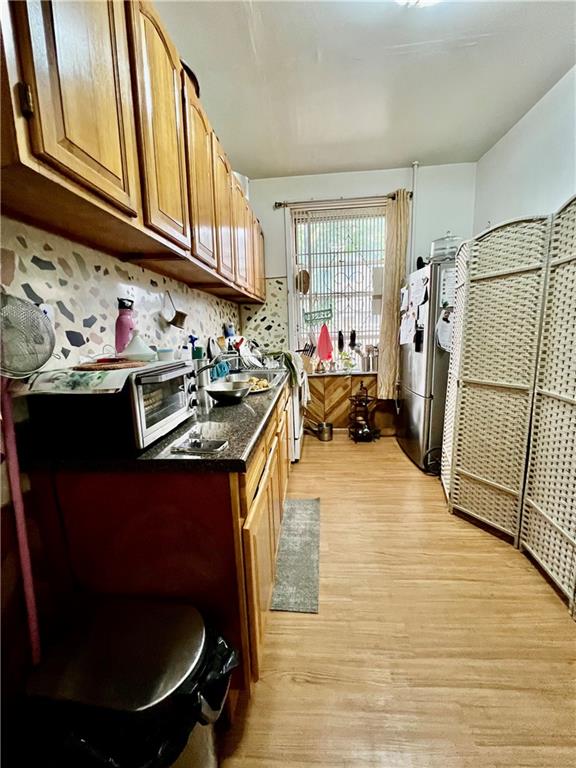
(75, 60)
(249, 235)
(259, 275)
(224, 211)
(161, 127)
(200, 178)
(241, 236)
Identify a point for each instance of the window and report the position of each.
(342, 249)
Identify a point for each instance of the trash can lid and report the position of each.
(123, 654)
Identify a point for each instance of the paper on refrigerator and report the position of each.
(404, 298)
(407, 328)
(444, 328)
(448, 288)
(417, 290)
(422, 317)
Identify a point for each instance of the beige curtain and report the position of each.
(397, 227)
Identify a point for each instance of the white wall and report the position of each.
(444, 200)
(532, 169)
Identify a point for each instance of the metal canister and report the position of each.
(324, 432)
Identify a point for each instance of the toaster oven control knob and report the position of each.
(192, 403)
(191, 387)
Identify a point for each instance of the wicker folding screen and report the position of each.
(548, 530)
(454, 367)
(500, 336)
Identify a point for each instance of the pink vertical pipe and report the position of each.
(21, 532)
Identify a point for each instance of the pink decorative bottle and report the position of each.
(124, 324)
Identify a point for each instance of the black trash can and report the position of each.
(125, 687)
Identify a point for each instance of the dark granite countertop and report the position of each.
(241, 425)
(342, 373)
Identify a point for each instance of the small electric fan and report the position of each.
(26, 344)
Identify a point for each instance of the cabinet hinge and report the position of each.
(26, 99)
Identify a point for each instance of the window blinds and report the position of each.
(343, 251)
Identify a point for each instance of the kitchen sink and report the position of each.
(200, 446)
(204, 438)
(273, 375)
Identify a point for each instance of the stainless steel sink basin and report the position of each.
(273, 375)
(200, 446)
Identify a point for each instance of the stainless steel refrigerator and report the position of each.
(424, 367)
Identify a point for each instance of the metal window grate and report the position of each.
(343, 251)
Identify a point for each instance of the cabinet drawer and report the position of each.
(285, 399)
(254, 471)
(270, 433)
(281, 424)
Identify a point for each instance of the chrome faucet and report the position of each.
(197, 371)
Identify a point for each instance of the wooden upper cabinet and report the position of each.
(161, 127)
(200, 178)
(76, 71)
(242, 236)
(249, 234)
(224, 211)
(259, 274)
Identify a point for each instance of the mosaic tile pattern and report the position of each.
(268, 323)
(81, 287)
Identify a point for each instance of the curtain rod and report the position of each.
(339, 200)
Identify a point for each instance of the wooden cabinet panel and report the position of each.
(259, 563)
(369, 381)
(75, 59)
(330, 396)
(240, 234)
(248, 218)
(315, 408)
(200, 178)
(163, 162)
(275, 497)
(285, 456)
(224, 211)
(258, 267)
(337, 400)
(283, 460)
(254, 471)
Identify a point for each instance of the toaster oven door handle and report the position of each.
(158, 378)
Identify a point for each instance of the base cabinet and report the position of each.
(257, 538)
(156, 539)
(261, 531)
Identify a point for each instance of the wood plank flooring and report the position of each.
(436, 646)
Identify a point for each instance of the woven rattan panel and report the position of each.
(477, 496)
(557, 365)
(492, 437)
(504, 319)
(505, 248)
(500, 339)
(454, 367)
(549, 514)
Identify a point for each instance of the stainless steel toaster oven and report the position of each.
(111, 413)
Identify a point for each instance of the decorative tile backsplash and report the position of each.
(268, 323)
(82, 286)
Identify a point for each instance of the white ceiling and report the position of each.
(314, 87)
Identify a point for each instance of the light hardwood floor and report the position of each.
(436, 646)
